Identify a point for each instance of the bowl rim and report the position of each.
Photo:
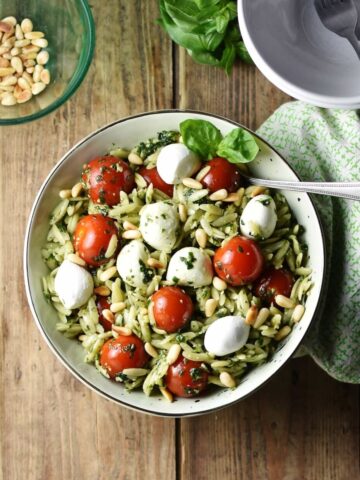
(319, 100)
(77, 78)
(52, 345)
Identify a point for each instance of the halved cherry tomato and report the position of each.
(274, 282)
(122, 352)
(186, 378)
(106, 177)
(222, 174)
(239, 261)
(102, 303)
(151, 175)
(172, 308)
(92, 236)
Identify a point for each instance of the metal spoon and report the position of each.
(349, 190)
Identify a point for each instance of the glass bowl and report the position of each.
(69, 28)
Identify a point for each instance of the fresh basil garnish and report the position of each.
(238, 146)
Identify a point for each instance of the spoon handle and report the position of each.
(349, 190)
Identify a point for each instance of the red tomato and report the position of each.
(222, 174)
(239, 261)
(106, 177)
(172, 309)
(92, 236)
(102, 303)
(274, 282)
(186, 378)
(122, 352)
(151, 175)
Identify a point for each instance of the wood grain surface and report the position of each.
(301, 425)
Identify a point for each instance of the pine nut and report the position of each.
(65, 194)
(258, 191)
(17, 64)
(219, 284)
(37, 73)
(173, 353)
(298, 313)
(76, 259)
(9, 42)
(112, 246)
(232, 197)
(5, 27)
(210, 307)
(37, 88)
(28, 78)
(204, 171)
(282, 333)
(4, 63)
(6, 88)
(201, 237)
(227, 380)
(21, 43)
(42, 57)
(30, 70)
(45, 76)
(135, 159)
(153, 263)
(4, 72)
(131, 234)
(34, 35)
(218, 195)
(251, 315)
(29, 63)
(7, 56)
(166, 394)
(11, 20)
(182, 212)
(24, 96)
(124, 331)
(19, 34)
(192, 183)
(28, 56)
(103, 291)
(129, 226)
(284, 302)
(135, 372)
(40, 42)
(30, 49)
(23, 84)
(263, 315)
(14, 52)
(9, 80)
(4, 50)
(76, 189)
(8, 99)
(117, 307)
(107, 274)
(150, 350)
(26, 25)
(108, 315)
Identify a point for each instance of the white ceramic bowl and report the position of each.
(129, 132)
(294, 50)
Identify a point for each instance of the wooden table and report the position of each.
(301, 425)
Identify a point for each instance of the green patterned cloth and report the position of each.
(325, 145)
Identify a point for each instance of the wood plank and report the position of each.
(52, 426)
(303, 424)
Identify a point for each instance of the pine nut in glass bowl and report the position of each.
(45, 56)
(201, 227)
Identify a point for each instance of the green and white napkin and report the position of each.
(324, 145)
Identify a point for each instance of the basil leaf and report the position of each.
(227, 59)
(242, 53)
(201, 137)
(184, 18)
(238, 146)
(206, 58)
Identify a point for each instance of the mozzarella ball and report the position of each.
(160, 225)
(132, 264)
(190, 266)
(73, 285)
(226, 335)
(175, 162)
(259, 218)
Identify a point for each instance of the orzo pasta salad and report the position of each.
(171, 271)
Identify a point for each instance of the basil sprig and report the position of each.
(203, 138)
(208, 29)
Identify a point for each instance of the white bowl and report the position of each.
(129, 132)
(294, 50)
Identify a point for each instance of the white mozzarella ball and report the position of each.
(160, 225)
(190, 266)
(259, 218)
(73, 285)
(226, 335)
(175, 162)
(132, 266)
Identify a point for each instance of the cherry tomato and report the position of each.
(106, 177)
(274, 282)
(222, 174)
(122, 352)
(186, 378)
(102, 303)
(151, 175)
(239, 261)
(172, 309)
(92, 236)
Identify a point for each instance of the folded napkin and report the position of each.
(324, 145)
